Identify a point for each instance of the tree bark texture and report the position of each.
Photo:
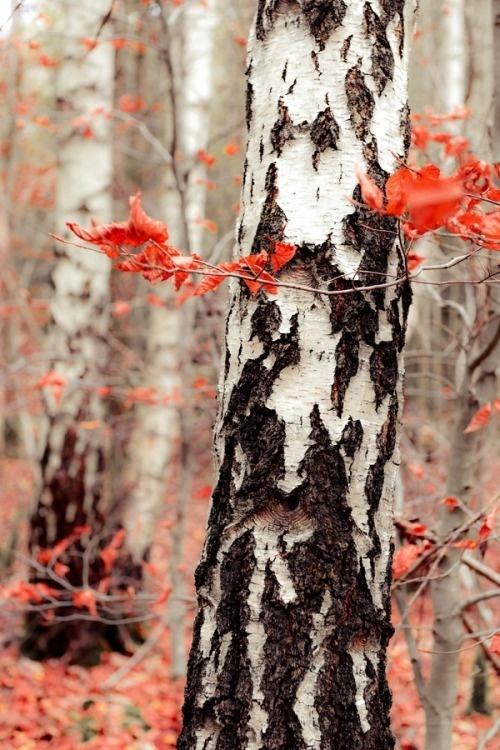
(72, 456)
(290, 640)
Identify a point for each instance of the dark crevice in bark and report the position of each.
(283, 129)
(359, 625)
(382, 57)
(360, 102)
(346, 367)
(352, 437)
(233, 696)
(323, 17)
(250, 94)
(287, 653)
(390, 8)
(384, 370)
(273, 219)
(386, 442)
(344, 51)
(324, 134)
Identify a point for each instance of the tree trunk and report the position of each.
(73, 456)
(290, 640)
(476, 91)
(159, 444)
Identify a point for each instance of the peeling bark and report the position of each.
(293, 586)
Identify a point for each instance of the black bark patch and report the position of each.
(273, 219)
(384, 370)
(324, 134)
(229, 707)
(357, 320)
(382, 57)
(352, 437)
(390, 8)
(323, 17)
(315, 59)
(406, 128)
(344, 51)
(287, 652)
(346, 367)
(360, 102)
(359, 624)
(249, 100)
(233, 696)
(374, 485)
(374, 236)
(283, 129)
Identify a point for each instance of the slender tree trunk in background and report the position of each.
(73, 458)
(476, 81)
(160, 443)
(290, 640)
(197, 56)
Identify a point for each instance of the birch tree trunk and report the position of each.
(289, 644)
(73, 458)
(159, 443)
(474, 60)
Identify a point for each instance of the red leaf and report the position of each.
(208, 224)
(205, 158)
(487, 526)
(121, 307)
(255, 264)
(371, 193)
(405, 558)
(139, 229)
(129, 103)
(281, 255)
(480, 419)
(495, 645)
(231, 148)
(413, 260)
(450, 502)
(209, 283)
(85, 599)
(428, 199)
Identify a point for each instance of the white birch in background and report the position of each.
(160, 442)
(465, 62)
(72, 457)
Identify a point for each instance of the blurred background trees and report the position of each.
(107, 383)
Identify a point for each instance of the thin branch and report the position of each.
(481, 568)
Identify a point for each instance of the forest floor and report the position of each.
(63, 707)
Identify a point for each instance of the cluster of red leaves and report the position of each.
(426, 200)
(65, 707)
(157, 261)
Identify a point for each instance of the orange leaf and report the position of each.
(487, 526)
(231, 148)
(450, 502)
(139, 229)
(85, 599)
(281, 255)
(480, 419)
(371, 193)
(406, 557)
(129, 103)
(205, 158)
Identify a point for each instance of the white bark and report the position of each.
(319, 107)
(79, 304)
